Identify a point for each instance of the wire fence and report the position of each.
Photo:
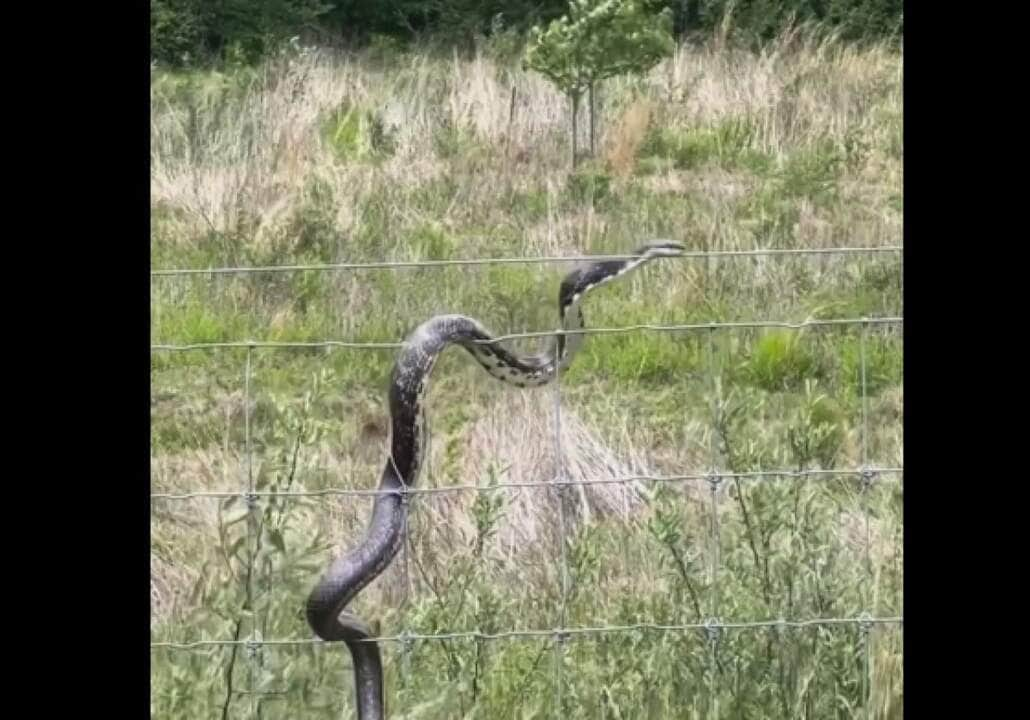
(392, 345)
(494, 487)
(539, 260)
(552, 633)
(713, 626)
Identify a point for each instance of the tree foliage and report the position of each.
(182, 31)
(760, 20)
(596, 40)
(448, 18)
(599, 39)
(192, 30)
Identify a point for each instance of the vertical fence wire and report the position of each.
(901, 283)
(407, 498)
(252, 539)
(865, 629)
(713, 629)
(405, 642)
(559, 476)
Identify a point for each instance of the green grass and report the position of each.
(272, 167)
(353, 133)
(729, 145)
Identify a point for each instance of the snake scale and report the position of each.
(352, 571)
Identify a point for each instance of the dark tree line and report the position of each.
(198, 31)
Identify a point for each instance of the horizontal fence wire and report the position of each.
(864, 472)
(549, 633)
(890, 320)
(458, 262)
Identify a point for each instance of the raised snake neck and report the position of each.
(352, 571)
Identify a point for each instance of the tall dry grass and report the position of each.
(253, 153)
(327, 157)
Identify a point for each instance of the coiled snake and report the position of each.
(351, 572)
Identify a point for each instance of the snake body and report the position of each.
(352, 571)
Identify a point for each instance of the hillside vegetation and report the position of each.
(314, 158)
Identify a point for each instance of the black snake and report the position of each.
(351, 572)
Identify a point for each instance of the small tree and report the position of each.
(596, 40)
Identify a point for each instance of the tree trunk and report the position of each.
(591, 90)
(511, 123)
(687, 19)
(575, 127)
(693, 15)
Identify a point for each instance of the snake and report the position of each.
(349, 573)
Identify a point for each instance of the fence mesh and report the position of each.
(713, 626)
